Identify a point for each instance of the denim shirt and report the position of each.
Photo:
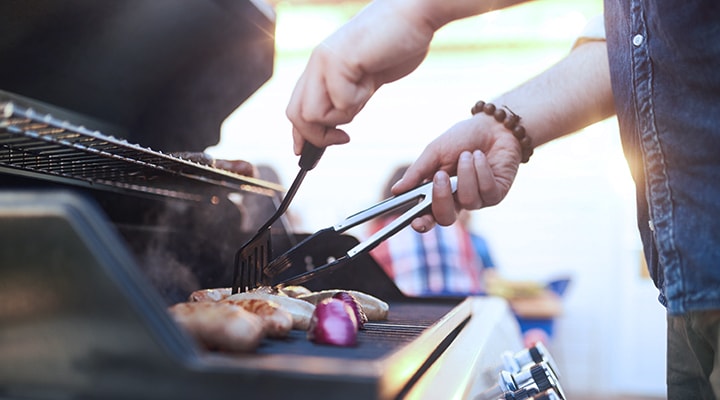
(665, 69)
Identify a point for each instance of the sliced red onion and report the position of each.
(333, 322)
(350, 300)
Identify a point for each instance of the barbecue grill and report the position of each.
(103, 226)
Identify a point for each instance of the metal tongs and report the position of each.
(295, 257)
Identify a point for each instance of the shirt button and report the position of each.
(638, 40)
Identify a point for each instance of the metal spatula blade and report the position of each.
(252, 258)
(249, 262)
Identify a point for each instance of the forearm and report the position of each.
(441, 12)
(386, 33)
(572, 94)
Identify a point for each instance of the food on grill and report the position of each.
(277, 321)
(266, 289)
(219, 325)
(300, 302)
(355, 305)
(240, 167)
(237, 166)
(301, 311)
(374, 308)
(334, 323)
(217, 294)
(210, 294)
(295, 290)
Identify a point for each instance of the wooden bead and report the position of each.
(512, 121)
(525, 142)
(478, 107)
(500, 115)
(518, 132)
(489, 108)
(527, 149)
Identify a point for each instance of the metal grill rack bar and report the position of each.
(39, 144)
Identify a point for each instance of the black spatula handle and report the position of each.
(310, 156)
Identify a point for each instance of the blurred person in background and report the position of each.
(658, 70)
(441, 262)
(479, 243)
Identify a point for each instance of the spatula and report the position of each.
(253, 256)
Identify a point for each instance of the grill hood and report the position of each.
(163, 74)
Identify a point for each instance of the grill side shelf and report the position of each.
(53, 149)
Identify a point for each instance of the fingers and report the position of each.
(327, 136)
(489, 190)
(443, 205)
(477, 187)
(468, 192)
(328, 94)
(421, 171)
(443, 202)
(316, 123)
(423, 223)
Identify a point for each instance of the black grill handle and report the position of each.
(310, 156)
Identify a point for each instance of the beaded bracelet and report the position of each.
(510, 121)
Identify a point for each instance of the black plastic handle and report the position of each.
(310, 156)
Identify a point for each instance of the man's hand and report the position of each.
(484, 156)
(383, 43)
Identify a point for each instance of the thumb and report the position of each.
(421, 171)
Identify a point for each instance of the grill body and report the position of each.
(80, 319)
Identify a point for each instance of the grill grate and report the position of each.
(49, 148)
(376, 341)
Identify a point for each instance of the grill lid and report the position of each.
(38, 144)
(145, 68)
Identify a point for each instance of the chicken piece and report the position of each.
(210, 294)
(267, 290)
(277, 321)
(295, 291)
(219, 325)
(217, 294)
(240, 167)
(301, 311)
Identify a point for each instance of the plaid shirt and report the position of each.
(442, 261)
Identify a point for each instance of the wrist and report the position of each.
(511, 122)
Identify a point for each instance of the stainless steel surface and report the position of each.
(470, 363)
(528, 381)
(516, 362)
